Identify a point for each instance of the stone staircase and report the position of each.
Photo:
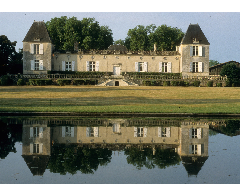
(117, 81)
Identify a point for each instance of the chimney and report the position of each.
(155, 47)
(76, 46)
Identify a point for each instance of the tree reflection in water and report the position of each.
(144, 157)
(70, 159)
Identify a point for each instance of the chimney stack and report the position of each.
(155, 47)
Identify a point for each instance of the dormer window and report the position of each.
(195, 41)
(37, 39)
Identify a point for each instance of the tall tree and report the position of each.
(138, 38)
(87, 32)
(143, 38)
(10, 60)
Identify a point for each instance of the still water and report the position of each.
(119, 151)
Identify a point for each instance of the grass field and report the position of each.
(142, 99)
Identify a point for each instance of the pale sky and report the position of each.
(222, 29)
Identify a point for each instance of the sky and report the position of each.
(220, 26)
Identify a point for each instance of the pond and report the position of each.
(64, 150)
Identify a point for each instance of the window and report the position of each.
(195, 67)
(140, 132)
(35, 148)
(92, 66)
(92, 132)
(36, 65)
(67, 131)
(164, 131)
(36, 132)
(36, 48)
(195, 50)
(141, 66)
(194, 149)
(68, 66)
(194, 133)
(164, 67)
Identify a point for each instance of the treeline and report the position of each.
(88, 34)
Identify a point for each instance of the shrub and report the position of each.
(186, 84)
(210, 83)
(166, 83)
(196, 83)
(32, 82)
(20, 82)
(6, 81)
(219, 84)
(174, 83)
(62, 82)
(39, 82)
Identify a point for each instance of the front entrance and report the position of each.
(116, 70)
(116, 83)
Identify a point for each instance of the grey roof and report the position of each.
(117, 47)
(38, 30)
(194, 31)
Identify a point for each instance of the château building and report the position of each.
(191, 57)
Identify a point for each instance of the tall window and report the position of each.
(68, 66)
(195, 67)
(140, 66)
(194, 133)
(195, 50)
(164, 67)
(36, 64)
(35, 148)
(36, 48)
(92, 66)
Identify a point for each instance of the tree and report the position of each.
(138, 38)
(213, 62)
(143, 38)
(65, 32)
(120, 42)
(233, 74)
(166, 38)
(10, 60)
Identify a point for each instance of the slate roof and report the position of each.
(38, 30)
(193, 167)
(36, 164)
(194, 31)
(117, 48)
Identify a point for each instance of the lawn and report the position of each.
(141, 99)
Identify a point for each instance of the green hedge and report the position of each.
(39, 82)
(152, 74)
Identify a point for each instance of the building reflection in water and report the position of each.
(84, 144)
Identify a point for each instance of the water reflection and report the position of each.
(72, 145)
